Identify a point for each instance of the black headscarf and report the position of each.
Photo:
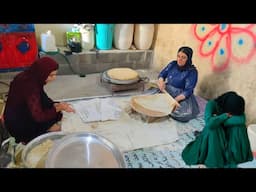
(231, 102)
(189, 52)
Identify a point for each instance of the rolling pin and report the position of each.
(176, 103)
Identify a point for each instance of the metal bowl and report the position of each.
(84, 150)
(54, 136)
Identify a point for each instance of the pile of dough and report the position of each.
(122, 74)
(37, 156)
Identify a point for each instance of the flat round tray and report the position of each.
(107, 79)
(84, 150)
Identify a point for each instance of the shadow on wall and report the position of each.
(214, 85)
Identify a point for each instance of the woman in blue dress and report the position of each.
(179, 79)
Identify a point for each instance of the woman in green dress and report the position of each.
(224, 141)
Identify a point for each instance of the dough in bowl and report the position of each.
(37, 156)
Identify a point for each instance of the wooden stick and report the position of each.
(176, 102)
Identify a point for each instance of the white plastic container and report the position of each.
(251, 130)
(143, 36)
(123, 36)
(88, 36)
(48, 43)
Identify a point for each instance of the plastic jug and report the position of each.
(123, 36)
(87, 36)
(143, 36)
(48, 43)
(104, 36)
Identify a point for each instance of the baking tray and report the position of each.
(84, 150)
(54, 136)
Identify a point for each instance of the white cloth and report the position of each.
(97, 109)
(126, 132)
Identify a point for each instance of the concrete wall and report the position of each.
(97, 62)
(224, 55)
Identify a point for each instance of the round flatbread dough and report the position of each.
(122, 73)
(157, 105)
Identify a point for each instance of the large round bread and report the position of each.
(122, 73)
(157, 105)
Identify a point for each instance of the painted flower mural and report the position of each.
(225, 42)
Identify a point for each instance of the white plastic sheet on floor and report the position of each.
(127, 133)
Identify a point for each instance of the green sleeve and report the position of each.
(235, 120)
(211, 119)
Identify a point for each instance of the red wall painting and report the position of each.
(225, 43)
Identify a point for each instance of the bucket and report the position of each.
(104, 36)
(48, 43)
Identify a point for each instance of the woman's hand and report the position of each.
(176, 106)
(62, 106)
(229, 114)
(161, 84)
(180, 98)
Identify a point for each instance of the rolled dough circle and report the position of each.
(122, 73)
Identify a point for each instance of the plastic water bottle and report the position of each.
(48, 43)
(88, 36)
